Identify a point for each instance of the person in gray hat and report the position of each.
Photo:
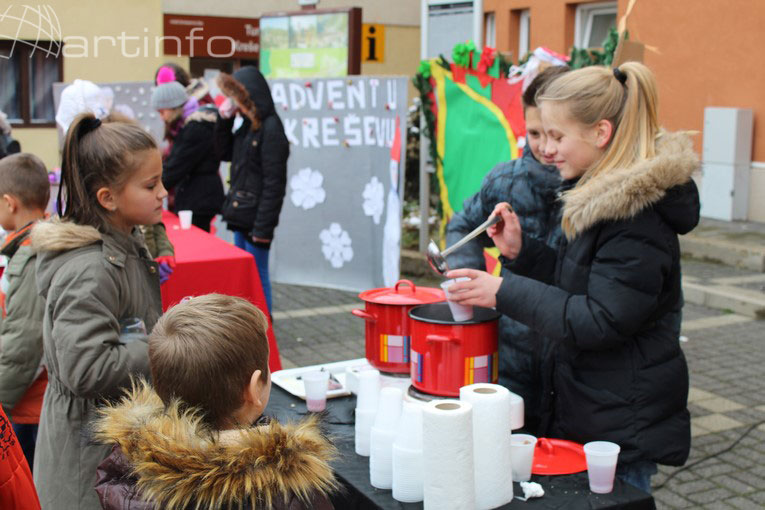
(190, 166)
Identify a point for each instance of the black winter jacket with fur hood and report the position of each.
(258, 152)
(163, 458)
(610, 301)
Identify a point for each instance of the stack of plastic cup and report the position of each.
(381, 440)
(601, 465)
(460, 313)
(522, 448)
(407, 455)
(316, 386)
(366, 408)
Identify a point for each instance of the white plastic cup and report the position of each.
(522, 448)
(316, 385)
(389, 408)
(460, 313)
(369, 389)
(185, 217)
(601, 465)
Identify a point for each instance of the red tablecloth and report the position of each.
(207, 264)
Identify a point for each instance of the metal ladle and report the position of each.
(437, 258)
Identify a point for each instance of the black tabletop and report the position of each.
(563, 492)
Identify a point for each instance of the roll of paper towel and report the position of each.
(447, 451)
(491, 443)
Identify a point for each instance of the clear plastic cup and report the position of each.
(522, 448)
(460, 313)
(316, 385)
(601, 465)
(185, 217)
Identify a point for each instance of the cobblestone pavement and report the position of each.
(726, 355)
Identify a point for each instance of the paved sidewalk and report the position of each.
(735, 243)
(725, 351)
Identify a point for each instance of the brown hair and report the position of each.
(596, 93)
(540, 82)
(98, 155)
(24, 176)
(204, 351)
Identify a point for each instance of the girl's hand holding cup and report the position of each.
(507, 233)
(480, 290)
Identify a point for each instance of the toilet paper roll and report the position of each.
(491, 443)
(447, 455)
(381, 458)
(407, 474)
(516, 411)
(365, 419)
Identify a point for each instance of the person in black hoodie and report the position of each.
(258, 151)
(610, 299)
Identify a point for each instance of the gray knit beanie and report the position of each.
(168, 95)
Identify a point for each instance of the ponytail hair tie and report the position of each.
(89, 124)
(620, 76)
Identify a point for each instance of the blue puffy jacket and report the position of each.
(532, 189)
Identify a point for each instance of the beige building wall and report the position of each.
(117, 41)
(393, 12)
(93, 51)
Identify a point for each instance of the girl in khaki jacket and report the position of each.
(98, 278)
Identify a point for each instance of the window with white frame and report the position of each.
(524, 33)
(593, 21)
(490, 29)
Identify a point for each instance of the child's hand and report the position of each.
(507, 233)
(227, 108)
(481, 290)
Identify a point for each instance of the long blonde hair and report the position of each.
(595, 93)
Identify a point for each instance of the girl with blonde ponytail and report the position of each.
(609, 299)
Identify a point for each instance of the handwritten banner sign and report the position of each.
(340, 225)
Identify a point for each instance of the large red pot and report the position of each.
(388, 324)
(447, 355)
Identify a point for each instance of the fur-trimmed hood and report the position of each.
(622, 193)
(57, 235)
(177, 464)
(250, 89)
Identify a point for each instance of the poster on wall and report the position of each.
(340, 225)
(130, 98)
(319, 43)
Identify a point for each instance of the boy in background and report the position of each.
(198, 440)
(530, 184)
(24, 192)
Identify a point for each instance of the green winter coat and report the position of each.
(157, 242)
(21, 331)
(92, 282)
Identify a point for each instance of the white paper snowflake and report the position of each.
(374, 195)
(336, 245)
(307, 188)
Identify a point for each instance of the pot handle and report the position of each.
(364, 315)
(439, 338)
(413, 289)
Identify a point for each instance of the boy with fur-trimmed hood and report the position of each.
(198, 440)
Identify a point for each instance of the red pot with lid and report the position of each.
(447, 354)
(388, 338)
